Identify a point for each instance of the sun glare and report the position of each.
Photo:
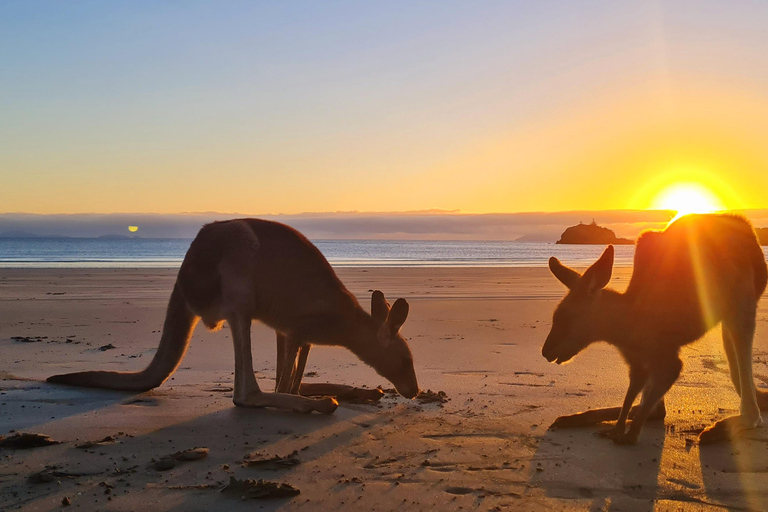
(687, 198)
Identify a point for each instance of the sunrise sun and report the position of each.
(687, 198)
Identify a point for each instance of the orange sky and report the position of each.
(285, 109)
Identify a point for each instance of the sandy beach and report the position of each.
(475, 333)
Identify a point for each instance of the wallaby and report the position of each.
(251, 269)
(703, 269)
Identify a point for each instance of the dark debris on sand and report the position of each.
(29, 339)
(101, 442)
(249, 489)
(170, 461)
(430, 397)
(51, 474)
(21, 441)
(274, 463)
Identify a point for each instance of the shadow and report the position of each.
(25, 404)
(121, 471)
(734, 472)
(576, 464)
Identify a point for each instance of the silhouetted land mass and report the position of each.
(115, 237)
(762, 235)
(591, 234)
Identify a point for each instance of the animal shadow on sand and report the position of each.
(126, 465)
(575, 464)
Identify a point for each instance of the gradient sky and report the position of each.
(287, 107)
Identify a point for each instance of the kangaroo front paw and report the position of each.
(727, 429)
(363, 395)
(625, 439)
(611, 433)
(323, 405)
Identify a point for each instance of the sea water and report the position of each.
(153, 252)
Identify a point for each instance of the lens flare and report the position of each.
(687, 198)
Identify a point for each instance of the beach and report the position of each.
(475, 334)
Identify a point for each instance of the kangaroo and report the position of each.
(703, 269)
(251, 269)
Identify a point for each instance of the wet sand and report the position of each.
(476, 334)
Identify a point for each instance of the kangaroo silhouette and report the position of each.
(251, 269)
(703, 269)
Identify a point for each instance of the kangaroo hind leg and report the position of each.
(738, 334)
(247, 392)
(741, 333)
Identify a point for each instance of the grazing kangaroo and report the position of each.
(700, 271)
(250, 269)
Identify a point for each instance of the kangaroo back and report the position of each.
(177, 330)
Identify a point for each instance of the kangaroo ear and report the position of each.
(565, 275)
(379, 308)
(599, 274)
(397, 316)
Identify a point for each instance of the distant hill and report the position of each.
(537, 238)
(114, 237)
(591, 234)
(762, 235)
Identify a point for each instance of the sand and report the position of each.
(476, 334)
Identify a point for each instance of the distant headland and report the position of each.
(591, 234)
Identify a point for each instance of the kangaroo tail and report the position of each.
(177, 331)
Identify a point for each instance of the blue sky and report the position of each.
(284, 107)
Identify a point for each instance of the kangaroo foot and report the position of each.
(587, 418)
(342, 392)
(726, 429)
(627, 438)
(289, 402)
(611, 433)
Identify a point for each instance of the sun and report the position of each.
(687, 198)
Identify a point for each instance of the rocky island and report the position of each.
(591, 234)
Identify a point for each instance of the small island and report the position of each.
(591, 234)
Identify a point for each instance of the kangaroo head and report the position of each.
(395, 361)
(573, 324)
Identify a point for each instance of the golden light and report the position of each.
(133, 229)
(687, 198)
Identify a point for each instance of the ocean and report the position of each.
(152, 252)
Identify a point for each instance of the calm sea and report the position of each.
(146, 252)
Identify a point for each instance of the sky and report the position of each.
(260, 108)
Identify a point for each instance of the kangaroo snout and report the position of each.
(548, 351)
(408, 390)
